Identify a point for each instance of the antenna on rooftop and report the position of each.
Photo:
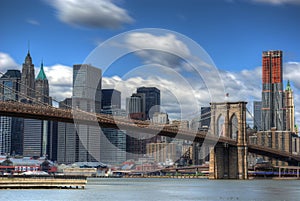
(28, 45)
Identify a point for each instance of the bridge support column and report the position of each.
(223, 162)
(242, 154)
(229, 161)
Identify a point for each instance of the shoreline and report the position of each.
(43, 182)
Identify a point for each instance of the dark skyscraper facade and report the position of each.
(205, 117)
(110, 98)
(257, 114)
(10, 127)
(273, 113)
(152, 100)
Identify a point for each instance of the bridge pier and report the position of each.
(229, 161)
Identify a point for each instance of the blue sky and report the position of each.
(233, 32)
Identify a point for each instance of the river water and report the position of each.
(156, 189)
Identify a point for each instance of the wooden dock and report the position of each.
(42, 182)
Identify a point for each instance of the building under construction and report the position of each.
(273, 109)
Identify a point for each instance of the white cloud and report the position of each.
(33, 22)
(6, 62)
(91, 13)
(165, 49)
(292, 73)
(270, 2)
(278, 2)
(60, 81)
(174, 94)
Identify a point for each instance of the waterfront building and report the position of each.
(278, 140)
(273, 109)
(152, 100)
(10, 127)
(257, 114)
(162, 152)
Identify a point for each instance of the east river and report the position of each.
(127, 189)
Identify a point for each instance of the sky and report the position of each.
(230, 36)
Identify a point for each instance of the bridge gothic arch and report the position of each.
(229, 161)
(233, 127)
(221, 125)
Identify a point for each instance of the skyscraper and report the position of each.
(10, 85)
(10, 127)
(36, 132)
(111, 98)
(205, 118)
(136, 106)
(290, 110)
(113, 141)
(152, 100)
(42, 87)
(67, 140)
(27, 79)
(257, 114)
(87, 97)
(87, 87)
(273, 111)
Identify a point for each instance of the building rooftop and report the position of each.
(12, 74)
(288, 86)
(41, 75)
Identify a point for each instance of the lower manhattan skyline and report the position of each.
(149, 100)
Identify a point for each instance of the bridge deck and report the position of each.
(17, 109)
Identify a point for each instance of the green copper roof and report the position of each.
(41, 75)
(288, 86)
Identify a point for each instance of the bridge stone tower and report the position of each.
(228, 121)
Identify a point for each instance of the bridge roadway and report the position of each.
(18, 109)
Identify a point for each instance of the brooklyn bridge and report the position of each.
(229, 152)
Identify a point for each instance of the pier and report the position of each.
(42, 182)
